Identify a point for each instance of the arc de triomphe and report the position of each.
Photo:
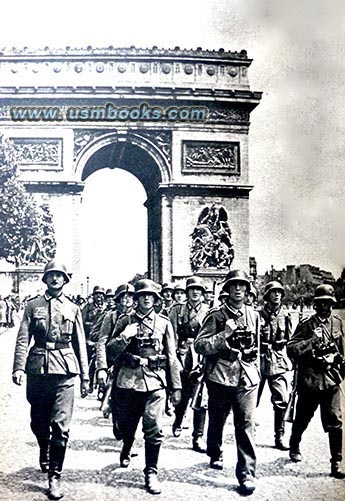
(176, 119)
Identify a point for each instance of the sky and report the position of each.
(297, 132)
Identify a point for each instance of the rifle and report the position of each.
(291, 406)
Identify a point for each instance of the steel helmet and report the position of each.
(147, 286)
(178, 287)
(55, 266)
(123, 289)
(273, 286)
(324, 291)
(109, 292)
(236, 276)
(167, 286)
(195, 282)
(98, 289)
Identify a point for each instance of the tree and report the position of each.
(26, 230)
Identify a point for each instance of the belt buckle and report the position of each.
(50, 345)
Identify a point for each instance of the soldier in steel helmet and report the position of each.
(186, 319)
(317, 347)
(275, 332)
(91, 312)
(167, 303)
(228, 339)
(179, 294)
(50, 327)
(105, 372)
(143, 348)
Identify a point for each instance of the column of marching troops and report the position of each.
(150, 350)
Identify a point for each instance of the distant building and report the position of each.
(304, 273)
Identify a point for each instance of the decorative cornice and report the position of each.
(121, 52)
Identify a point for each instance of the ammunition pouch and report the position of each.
(153, 362)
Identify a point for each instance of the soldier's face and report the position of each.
(98, 298)
(275, 297)
(126, 300)
(110, 301)
(323, 307)
(237, 291)
(194, 293)
(167, 295)
(179, 296)
(55, 281)
(146, 301)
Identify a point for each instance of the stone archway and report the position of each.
(177, 119)
(139, 155)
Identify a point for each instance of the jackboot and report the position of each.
(125, 454)
(151, 469)
(279, 429)
(44, 454)
(54, 489)
(335, 437)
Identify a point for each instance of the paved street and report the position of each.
(92, 461)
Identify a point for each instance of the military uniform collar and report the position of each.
(60, 297)
(272, 312)
(235, 311)
(195, 307)
(142, 316)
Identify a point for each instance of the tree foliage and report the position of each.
(23, 224)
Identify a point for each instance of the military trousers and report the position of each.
(307, 402)
(132, 405)
(242, 401)
(51, 398)
(279, 388)
(199, 415)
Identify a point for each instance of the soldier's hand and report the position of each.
(18, 377)
(130, 331)
(317, 336)
(84, 388)
(230, 326)
(175, 397)
(101, 377)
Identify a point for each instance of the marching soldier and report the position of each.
(143, 347)
(317, 347)
(124, 306)
(186, 320)
(92, 310)
(91, 313)
(275, 332)
(54, 324)
(228, 339)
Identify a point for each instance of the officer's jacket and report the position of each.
(275, 332)
(223, 364)
(55, 327)
(107, 327)
(312, 375)
(136, 358)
